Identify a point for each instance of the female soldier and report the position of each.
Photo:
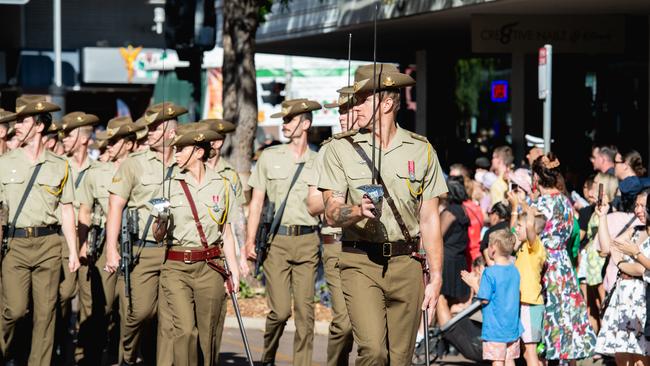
(199, 236)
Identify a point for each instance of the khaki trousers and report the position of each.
(383, 297)
(195, 294)
(340, 341)
(97, 294)
(290, 269)
(145, 290)
(67, 291)
(32, 265)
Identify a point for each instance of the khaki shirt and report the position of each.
(273, 174)
(95, 186)
(344, 171)
(74, 176)
(312, 178)
(227, 171)
(214, 201)
(52, 187)
(138, 180)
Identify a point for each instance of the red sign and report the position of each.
(542, 56)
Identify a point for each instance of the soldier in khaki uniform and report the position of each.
(191, 281)
(290, 266)
(340, 341)
(381, 280)
(138, 180)
(33, 261)
(73, 134)
(6, 117)
(97, 288)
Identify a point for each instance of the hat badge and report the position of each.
(129, 128)
(220, 126)
(304, 105)
(389, 81)
(198, 138)
(39, 106)
(110, 132)
(285, 110)
(79, 119)
(64, 126)
(170, 111)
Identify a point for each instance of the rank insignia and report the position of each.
(411, 168)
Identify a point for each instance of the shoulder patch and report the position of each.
(341, 135)
(418, 137)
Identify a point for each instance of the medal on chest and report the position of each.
(411, 169)
(216, 208)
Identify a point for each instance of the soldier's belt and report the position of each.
(373, 249)
(34, 232)
(193, 256)
(331, 238)
(296, 230)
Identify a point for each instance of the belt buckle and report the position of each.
(293, 230)
(29, 232)
(387, 249)
(187, 256)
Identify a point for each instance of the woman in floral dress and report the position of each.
(568, 335)
(621, 334)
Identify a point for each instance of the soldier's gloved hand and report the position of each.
(112, 259)
(73, 262)
(368, 209)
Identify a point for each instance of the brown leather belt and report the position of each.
(380, 249)
(192, 256)
(331, 238)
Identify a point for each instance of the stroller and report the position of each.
(460, 331)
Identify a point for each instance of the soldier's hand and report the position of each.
(244, 268)
(431, 294)
(250, 251)
(112, 260)
(73, 263)
(235, 282)
(368, 209)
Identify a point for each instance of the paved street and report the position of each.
(232, 350)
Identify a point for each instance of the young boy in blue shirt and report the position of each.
(499, 291)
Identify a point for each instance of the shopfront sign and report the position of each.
(567, 33)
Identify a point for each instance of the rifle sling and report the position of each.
(389, 199)
(23, 199)
(275, 225)
(79, 178)
(204, 241)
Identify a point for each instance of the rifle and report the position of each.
(128, 229)
(96, 234)
(263, 235)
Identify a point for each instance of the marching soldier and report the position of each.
(339, 343)
(193, 275)
(33, 184)
(73, 135)
(381, 279)
(6, 118)
(97, 288)
(292, 259)
(100, 145)
(141, 134)
(138, 180)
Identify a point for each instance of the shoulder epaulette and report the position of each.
(138, 153)
(341, 135)
(418, 137)
(54, 156)
(326, 141)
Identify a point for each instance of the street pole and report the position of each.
(57, 88)
(545, 72)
